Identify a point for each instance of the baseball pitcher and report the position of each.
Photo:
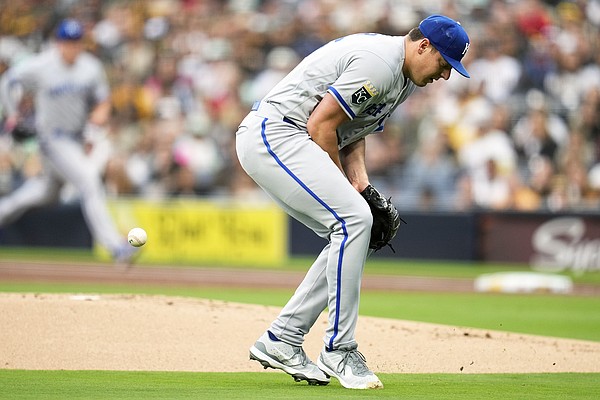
(304, 144)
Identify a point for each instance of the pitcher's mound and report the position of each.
(158, 333)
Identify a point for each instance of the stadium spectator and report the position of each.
(539, 132)
(429, 178)
(170, 60)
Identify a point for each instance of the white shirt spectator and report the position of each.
(499, 74)
(492, 144)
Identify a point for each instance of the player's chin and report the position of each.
(424, 82)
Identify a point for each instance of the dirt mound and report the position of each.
(158, 333)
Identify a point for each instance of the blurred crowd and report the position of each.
(522, 134)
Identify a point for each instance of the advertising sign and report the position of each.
(201, 231)
(549, 243)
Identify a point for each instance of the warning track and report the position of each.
(224, 277)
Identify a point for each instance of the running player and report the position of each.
(71, 95)
(304, 145)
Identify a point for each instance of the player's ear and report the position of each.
(424, 44)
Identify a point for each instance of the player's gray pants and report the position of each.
(65, 161)
(303, 179)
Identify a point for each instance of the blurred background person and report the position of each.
(72, 104)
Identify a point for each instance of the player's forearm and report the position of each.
(97, 120)
(322, 127)
(328, 142)
(353, 161)
(100, 113)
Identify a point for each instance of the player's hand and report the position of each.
(10, 123)
(93, 132)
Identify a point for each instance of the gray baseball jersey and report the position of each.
(364, 74)
(64, 95)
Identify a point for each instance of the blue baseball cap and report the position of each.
(449, 38)
(69, 29)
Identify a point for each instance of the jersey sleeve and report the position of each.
(364, 77)
(20, 78)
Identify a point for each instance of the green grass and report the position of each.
(456, 269)
(549, 315)
(46, 254)
(73, 385)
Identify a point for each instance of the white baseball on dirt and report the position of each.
(137, 237)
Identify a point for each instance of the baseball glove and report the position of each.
(386, 219)
(22, 132)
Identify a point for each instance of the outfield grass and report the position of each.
(73, 385)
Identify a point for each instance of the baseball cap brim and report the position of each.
(456, 65)
(449, 38)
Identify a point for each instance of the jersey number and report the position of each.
(375, 109)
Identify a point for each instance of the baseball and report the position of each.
(137, 237)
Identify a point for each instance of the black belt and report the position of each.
(256, 106)
(289, 121)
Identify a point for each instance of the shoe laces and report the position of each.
(358, 361)
(302, 357)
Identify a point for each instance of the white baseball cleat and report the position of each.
(125, 256)
(273, 353)
(350, 368)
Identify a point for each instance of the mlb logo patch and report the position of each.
(363, 94)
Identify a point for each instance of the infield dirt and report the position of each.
(157, 333)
